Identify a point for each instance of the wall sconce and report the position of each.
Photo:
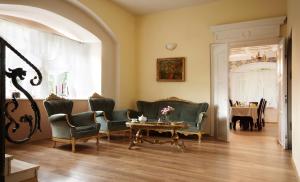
(171, 46)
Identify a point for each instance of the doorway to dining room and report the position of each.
(255, 91)
(253, 33)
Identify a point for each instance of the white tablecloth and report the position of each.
(244, 111)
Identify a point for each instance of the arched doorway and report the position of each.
(75, 12)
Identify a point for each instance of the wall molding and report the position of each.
(249, 30)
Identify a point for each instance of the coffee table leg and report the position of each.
(139, 136)
(175, 139)
(131, 144)
(181, 145)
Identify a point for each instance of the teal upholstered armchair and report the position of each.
(68, 128)
(111, 120)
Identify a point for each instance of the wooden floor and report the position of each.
(251, 156)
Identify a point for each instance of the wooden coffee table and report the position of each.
(137, 137)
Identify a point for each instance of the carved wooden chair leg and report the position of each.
(73, 144)
(199, 137)
(54, 144)
(108, 136)
(97, 141)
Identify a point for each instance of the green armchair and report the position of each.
(111, 120)
(68, 128)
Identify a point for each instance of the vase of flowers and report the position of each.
(165, 112)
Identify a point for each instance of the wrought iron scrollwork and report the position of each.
(32, 122)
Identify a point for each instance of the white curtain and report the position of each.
(70, 68)
(250, 83)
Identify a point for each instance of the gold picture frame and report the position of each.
(170, 69)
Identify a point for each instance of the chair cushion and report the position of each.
(116, 125)
(85, 131)
(191, 129)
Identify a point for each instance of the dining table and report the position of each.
(244, 111)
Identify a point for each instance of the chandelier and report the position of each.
(259, 57)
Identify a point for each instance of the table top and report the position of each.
(157, 125)
(244, 111)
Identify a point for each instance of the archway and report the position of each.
(75, 11)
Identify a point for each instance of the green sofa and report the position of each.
(194, 114)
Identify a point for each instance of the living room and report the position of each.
(132, 41)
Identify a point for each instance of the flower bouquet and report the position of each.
(165, 112)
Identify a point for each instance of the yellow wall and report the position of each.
(190, 28)
(123, 25)
(294, 24)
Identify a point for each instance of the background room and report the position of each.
(253, 75)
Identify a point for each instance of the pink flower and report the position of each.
(167, 110)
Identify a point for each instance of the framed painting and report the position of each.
(170, 69)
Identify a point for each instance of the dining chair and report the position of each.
(260, 105)
(263, 112)
(260, 113)
(230, 103)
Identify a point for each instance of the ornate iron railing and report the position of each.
(7, 120)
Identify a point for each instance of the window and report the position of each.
(70, 68)
(251, 82)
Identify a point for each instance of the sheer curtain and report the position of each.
(69, 68)
(251, 82)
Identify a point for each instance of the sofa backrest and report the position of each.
(148, 109)
(184, 110)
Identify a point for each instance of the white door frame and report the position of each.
(219, 91)
(237, 34)
(282, 96)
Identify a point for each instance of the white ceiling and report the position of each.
(142, 7)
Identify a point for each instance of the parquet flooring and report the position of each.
(249, 157)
